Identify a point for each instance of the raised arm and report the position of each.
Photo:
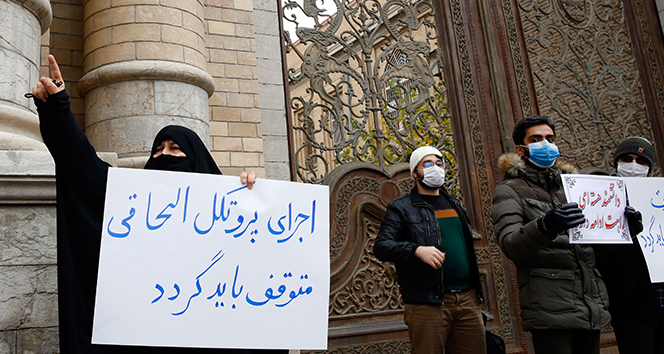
(73, 154)
(46, 87)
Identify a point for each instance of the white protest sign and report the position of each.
(603, 200)
(647, 196)
(198, 260)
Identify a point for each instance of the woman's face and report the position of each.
(169, 147)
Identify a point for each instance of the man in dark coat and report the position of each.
(81, 186)
(427, 234)
(562, 297)
(637, 305)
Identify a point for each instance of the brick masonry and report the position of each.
(247, 124)
(235, 107)
(170, 30)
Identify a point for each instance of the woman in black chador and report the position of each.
(81, 187)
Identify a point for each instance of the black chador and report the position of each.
(81, 188)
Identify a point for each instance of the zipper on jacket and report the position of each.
(438, 235)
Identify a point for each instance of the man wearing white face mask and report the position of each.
(634, 157)
(427, 234)
(637, 305)
(562, 297)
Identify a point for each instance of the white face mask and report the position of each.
(434, 177)
(631, 169)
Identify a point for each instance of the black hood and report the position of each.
(190, 143)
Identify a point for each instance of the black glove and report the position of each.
(634, 220)
(562, 217)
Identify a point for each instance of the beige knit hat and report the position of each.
(420, 153)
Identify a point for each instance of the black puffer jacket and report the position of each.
(634, 297)
(559, 284)
(411, 222)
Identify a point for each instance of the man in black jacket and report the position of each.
(637, 305)
(427, 234)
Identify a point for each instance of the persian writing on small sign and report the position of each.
(647, 196)
(603, 200)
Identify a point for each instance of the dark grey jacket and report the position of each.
(559, 284)
(411, 222)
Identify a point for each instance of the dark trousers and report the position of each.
(640, 337)
(566, 341)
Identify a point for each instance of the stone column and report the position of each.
(144, 69)
(271, 90)
(21, 25)
(28, 294)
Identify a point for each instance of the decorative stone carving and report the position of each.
(585, 76)
(482, 174)
(387, 347)
(361, 286)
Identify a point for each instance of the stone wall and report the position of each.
(65, 41)
(28, 279)
(234, 114)
(28, 290)
(242, 53)
(271, 90)
(130, 66)
(28, 252)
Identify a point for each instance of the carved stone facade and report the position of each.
(585, 76)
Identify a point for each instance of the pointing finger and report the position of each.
(55, 69)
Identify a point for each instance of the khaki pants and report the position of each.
(456, 323)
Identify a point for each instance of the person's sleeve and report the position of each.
(518, 238)
(68, 145)
(388, 246)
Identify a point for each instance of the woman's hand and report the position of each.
(248, 179)
(49, 86)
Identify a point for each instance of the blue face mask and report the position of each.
(543, 154)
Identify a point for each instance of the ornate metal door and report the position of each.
(367, 86)
(370, 80)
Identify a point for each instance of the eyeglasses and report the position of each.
(431, 163)
(640, 160)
